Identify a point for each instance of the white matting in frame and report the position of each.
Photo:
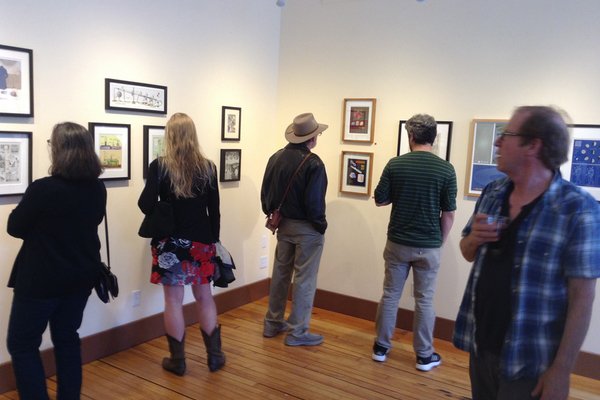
(15, 162)
(111, 143)
(583, 165)
(356, 172)
(154, 137)
(441, 144)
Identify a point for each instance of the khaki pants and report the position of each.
(425, 264)
(297, 256)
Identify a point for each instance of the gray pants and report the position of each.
(425, 264)
(298, 253)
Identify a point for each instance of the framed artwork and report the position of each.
(15, 162)
(481, 167)
(231, 164)
(134, 96)
(441, 145)
(111, 142)
(356, 172)
(583, 166)
(16, 82)
(231, 123)
(359, 120)
(153, 144)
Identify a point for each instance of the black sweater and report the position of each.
(197, 219)
(58, 221)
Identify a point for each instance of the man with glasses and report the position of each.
(528, 302)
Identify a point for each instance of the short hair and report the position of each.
(72, 152)
(422, 128)
(547, 124)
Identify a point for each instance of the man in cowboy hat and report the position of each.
(295, 181)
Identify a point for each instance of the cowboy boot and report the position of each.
(175, 363)
(215, 357)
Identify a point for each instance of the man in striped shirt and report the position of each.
(528, 301)
(421, 187)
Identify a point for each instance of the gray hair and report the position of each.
(422, 128)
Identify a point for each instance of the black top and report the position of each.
(493, 305)
(306, 198)
(198, 218)
(58, 221)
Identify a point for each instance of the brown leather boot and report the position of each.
(175, 363)
(215, 357)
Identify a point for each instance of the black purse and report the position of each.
(223, 274)
(161, 222)
(107, 285)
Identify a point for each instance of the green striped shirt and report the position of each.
(420, 185)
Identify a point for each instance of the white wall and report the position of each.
(456, 60)
(208, 54)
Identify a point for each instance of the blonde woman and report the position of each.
(186, 179)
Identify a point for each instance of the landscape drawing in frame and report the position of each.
(134, 96)
(16, 82)
(112, 145)
(15, 162)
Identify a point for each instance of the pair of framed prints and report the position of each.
(231, 159)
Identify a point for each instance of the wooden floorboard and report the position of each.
(260, 368)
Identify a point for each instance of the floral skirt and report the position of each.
(181, 262)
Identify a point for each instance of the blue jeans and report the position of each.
(29, 318)
(425, 263)
(298, 253)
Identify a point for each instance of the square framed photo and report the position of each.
(15, 162)
(441, 144)
(231, 123)
(153, 145)
(16, 82)
(359, 120)
(134, 96)
(112, 144)
(583, 166)
(356, 172)
(231, 164)
(481, 164)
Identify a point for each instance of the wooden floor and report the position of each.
(259, 368)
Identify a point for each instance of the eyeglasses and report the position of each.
(506, 133)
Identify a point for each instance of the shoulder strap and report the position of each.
(289, 185)
(107, 245)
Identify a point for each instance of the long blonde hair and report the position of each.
(183, 160)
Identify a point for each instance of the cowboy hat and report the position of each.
(304, 128)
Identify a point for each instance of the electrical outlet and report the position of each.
(264, 262)
(263, 242)
(136, 298)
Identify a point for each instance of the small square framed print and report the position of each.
(359, 120)
(112, 144)
(231, 123)
(356, 172)
(231, 164)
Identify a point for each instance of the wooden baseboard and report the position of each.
(586, 365)
(125, 336)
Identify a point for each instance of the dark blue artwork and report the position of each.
(484, 174)
(585, 168)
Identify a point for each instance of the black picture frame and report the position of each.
(112, 143)
(153, 144)
(583, 165)
(231, 123)
(441, 145)
(134, 96)
(231, 165)
(16, 82)
(15, 162)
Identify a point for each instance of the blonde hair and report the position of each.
(187, 167)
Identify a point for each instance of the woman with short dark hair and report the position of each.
(57, 266)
